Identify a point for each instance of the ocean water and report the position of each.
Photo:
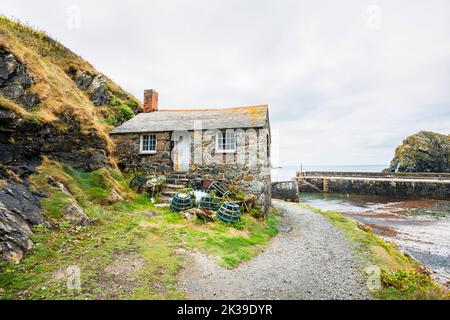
(288, 172)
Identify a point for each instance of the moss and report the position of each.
(55, 204)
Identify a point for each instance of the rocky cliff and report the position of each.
(53, 105)
(422, 152)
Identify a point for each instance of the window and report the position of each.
(148, 143)
(226, 142)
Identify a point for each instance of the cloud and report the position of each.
(341, 90)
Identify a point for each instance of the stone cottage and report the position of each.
(231, 145)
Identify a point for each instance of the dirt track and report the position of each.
(309, 259)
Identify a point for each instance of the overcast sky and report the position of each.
(345, 80)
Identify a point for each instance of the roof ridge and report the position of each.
(215, 109)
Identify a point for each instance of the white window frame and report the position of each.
(219, 135)
(141, 144)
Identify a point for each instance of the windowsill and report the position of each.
(147, 152)
(226, 151)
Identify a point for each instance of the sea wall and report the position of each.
(407, 188)
(400, 175)
(286, 190)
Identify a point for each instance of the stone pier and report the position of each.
(286, 190)
(401, 185)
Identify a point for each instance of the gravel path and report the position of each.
(309, 259)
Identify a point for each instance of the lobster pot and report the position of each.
(181, 202)
(219, 188)
(210, 203)
(229, 212)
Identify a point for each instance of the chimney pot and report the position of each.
(150, 100)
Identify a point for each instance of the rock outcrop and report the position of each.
(75, 215)
(19, 211)
(15, 80)
(23, 142)
(94, 85)
(424, 151)
(45, 115)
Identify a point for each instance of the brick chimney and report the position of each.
(150, 100)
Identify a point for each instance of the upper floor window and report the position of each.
(148, 143)
(226, 142)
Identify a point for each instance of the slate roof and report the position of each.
(171, 120)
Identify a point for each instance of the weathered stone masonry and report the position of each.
(186, 143)
(248, 169)
(129, 158)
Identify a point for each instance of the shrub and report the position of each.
(125, 113)
(405, 280)
(257, 212)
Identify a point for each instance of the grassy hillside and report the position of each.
(134, 250)
(51, 65)
(53, 105)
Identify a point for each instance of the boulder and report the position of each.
(98, 91)
(14, 80)
(94, 85)
(23, 203)
(115, 196)
(14, 235)
(75, 215)
(82, 80)
(13, 92)
(55, 183)
(19, 211)
(8, 64)
(422, 152)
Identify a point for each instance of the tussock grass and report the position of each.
(87, 188)
(49, 63)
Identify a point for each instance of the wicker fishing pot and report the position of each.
(210, 203)
(229, 212)
(181, 202)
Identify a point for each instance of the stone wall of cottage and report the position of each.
(129, 158)
(249, 169)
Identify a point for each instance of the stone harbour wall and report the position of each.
(286, 190)
(397, 188)
(400, 175)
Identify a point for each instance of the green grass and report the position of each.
(132, 230)
(55, 204)
(401, 276)
(230, 243)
